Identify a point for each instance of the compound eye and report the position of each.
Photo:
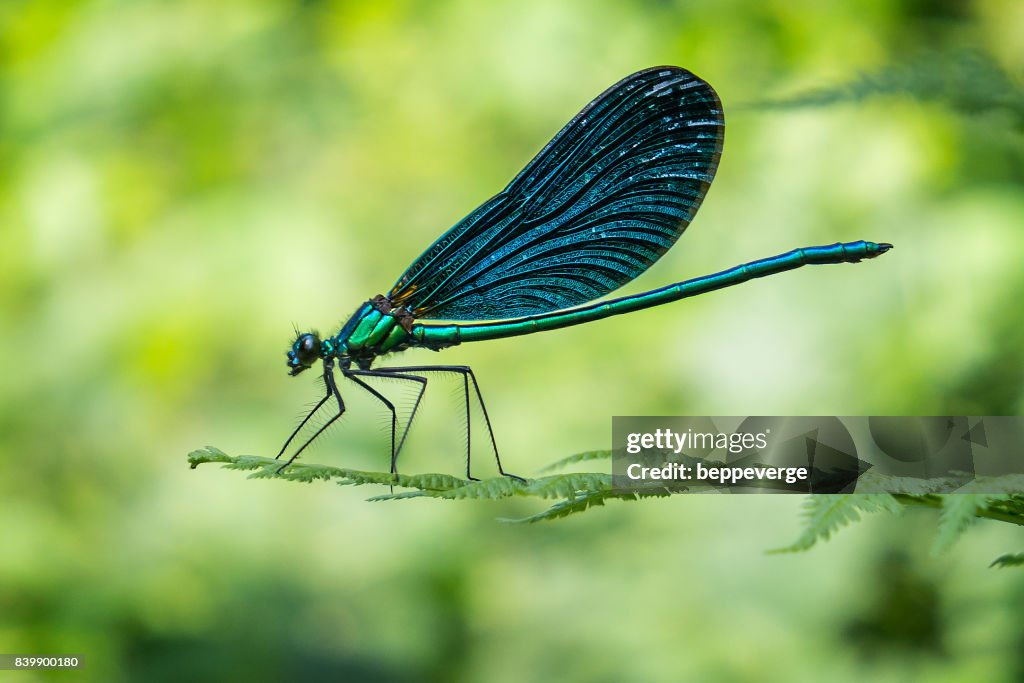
(306, 349)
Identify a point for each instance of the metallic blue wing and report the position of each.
(594, 209)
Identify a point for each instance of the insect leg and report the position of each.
(306, 419)
(467, 375)
(352, 375)
(332, 389)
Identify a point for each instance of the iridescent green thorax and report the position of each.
(374, 329)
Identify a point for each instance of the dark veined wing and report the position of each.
(594, 209)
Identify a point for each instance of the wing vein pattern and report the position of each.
(594, 209)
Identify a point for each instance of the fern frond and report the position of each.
(876, 482)
(958, 512)
(967, 81)
(432, 485)
(404, 495)
(827, 513)
(208, 454)
(584, 501)
(569, 485)
(578, 457)
(1011, 560)
(985, 497)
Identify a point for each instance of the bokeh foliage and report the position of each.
(181, 181)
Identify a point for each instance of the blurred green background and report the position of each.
(182, 181)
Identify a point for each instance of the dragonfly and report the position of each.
(597, 206)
